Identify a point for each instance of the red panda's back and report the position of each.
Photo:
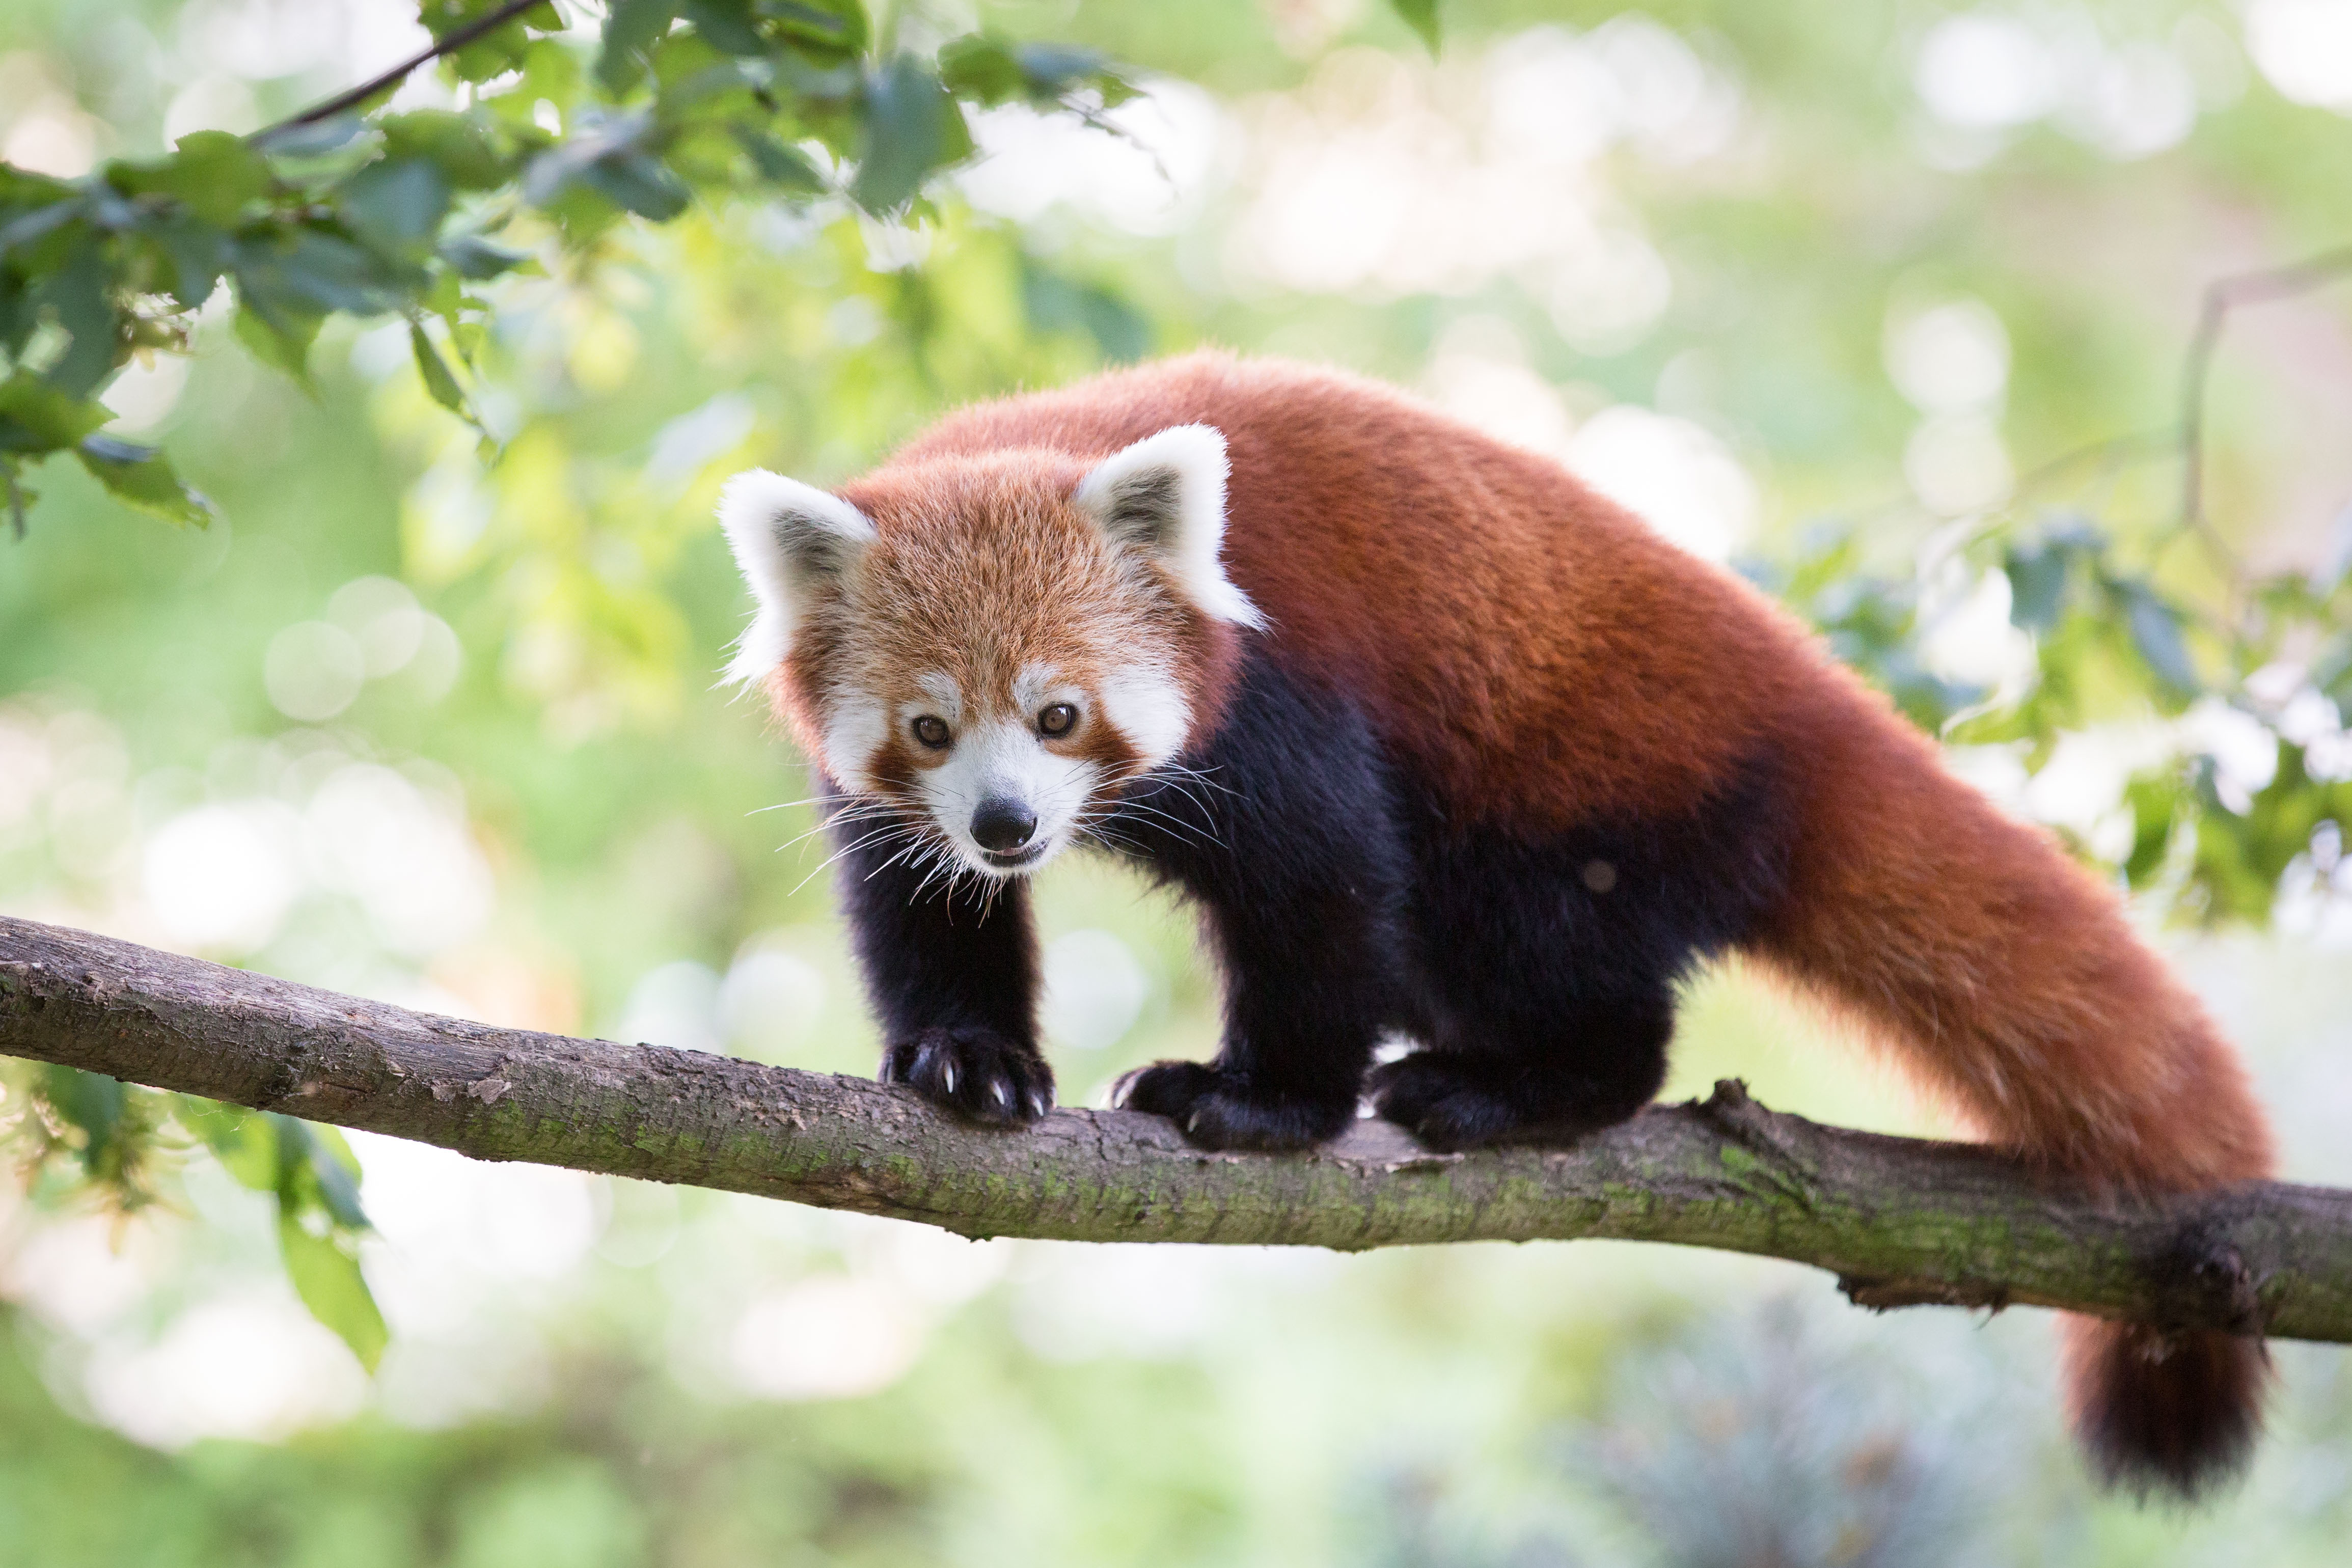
(1533, 647)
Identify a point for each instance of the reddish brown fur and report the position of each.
(1551, 661)
(1546, 660)
(982, 566)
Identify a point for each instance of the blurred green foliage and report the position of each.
(88, 1136)
(499, 341)
(400, 214)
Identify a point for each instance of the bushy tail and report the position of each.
(2009, 980)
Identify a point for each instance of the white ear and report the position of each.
(789, 539)
(1165, 496)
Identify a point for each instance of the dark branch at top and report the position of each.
(481, 27)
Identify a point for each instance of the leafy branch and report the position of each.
(449, 43)
(2111, 629)
(86, 1134)
(412, 214)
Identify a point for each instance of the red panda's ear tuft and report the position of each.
(789, 539)
(1165, 498)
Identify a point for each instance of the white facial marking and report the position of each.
(1144, 704)
(947, 697)
(1004, 759)
(855, 726)
(1036, 687)
(1165, 496)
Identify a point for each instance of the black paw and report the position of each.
(1449, 1102)
(977, 1073)
(1217, 1111)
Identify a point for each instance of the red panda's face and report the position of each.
(991, 646)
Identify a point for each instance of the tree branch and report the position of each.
(2222, 296)
(351, 98)
(1902, 1221)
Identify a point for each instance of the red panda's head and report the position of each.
(992, 643)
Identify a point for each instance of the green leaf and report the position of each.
(78, 294)
(142, 477)
(466, 151)
(198, 253)
(277, 334)
(612, 159)
(322, 1154)
(501, 49)
(326, 1274)
(20, 232)
(397, 204)
(631, 30)
(313, 1176)
(243, 1141)
(18, 315)
(829, 29)
(980, 66)
(683, 93)
(787, 168)
(727, 24)
(2037, 586)
(2155, 803)
(312, 139)
(11, 485)
(34, 416)
(318, 1217)
(472, 256)
(310, 271)
(2155, 628)
(438, 379)
(911, 128)
(1421, 16)
(24, 188)
(991, 70)
(636, 181)
(213, 174)
(91, 1102)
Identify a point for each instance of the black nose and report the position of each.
(1002, 826)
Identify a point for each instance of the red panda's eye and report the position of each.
(932, 732)
(1057, 719)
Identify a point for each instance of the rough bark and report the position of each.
(1901, 1221)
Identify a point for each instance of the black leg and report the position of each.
(1286, 837)
(1590, 1065)
(1551, 965)
(951, 966)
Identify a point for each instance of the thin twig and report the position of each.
(2186, 436)
(2222, 296)
(393, 78)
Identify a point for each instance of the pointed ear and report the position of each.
(1164, 497)
(790, 540)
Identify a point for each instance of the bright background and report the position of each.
(405, 727)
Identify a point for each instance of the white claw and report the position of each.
(1036, 1105)
(1192, 1121)
(1003, 1097)
(947, 1076)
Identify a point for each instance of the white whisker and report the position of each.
(880, 834)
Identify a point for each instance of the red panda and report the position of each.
(1443, 745)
